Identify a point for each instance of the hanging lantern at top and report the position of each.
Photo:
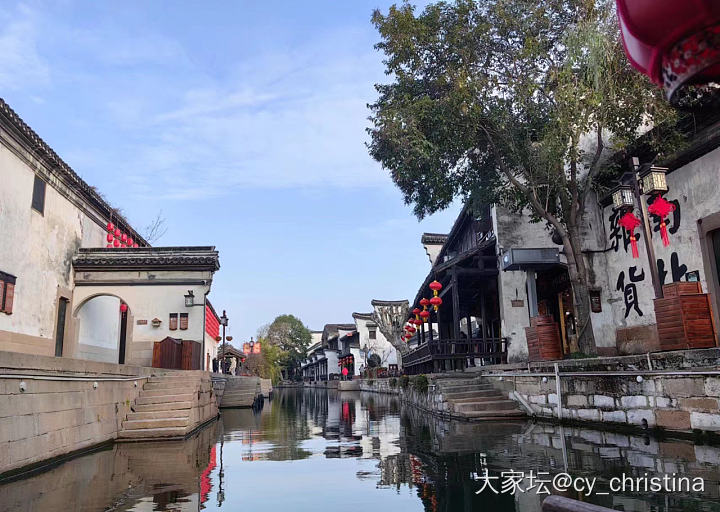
(436, 286)
(623, 197)
(424, 303)
(675, 43)
(123, 307)
(662, 208)
(629, 221)
(110, 227)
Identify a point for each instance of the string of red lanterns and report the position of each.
(117, 238)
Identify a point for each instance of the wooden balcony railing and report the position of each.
(490, 350)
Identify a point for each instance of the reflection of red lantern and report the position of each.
(662, 208)
(630, 222)
(123, 307)
(675, 43)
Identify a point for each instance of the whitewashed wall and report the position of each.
(99, 330)
(37, 249)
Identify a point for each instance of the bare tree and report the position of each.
(156, 229)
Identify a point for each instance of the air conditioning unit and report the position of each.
(522, 259)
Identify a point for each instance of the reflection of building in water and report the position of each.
(173, 475)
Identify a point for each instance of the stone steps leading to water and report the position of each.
(476, 399)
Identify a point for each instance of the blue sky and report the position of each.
(244, 123)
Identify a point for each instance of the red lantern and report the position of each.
(412, 330)
(136, 245)
(129, 242)
(630, 222)
(425, 315)
(424, 303)
(675, 43)
(117, 233)
(416, 311)
(109, 245)
(435, 286)
(436, 302)
(123, 307)
(110, 227)
(109, 237)
(123, 237)
(662, 208)
(116, 243)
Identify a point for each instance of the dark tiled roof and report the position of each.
(433, 238)
(43, 152)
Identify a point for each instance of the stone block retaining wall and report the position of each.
(432, 401)
(51, 418)
(671, 402)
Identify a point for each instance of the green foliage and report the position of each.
(511, 102)
(393, 382)
(374, 361)
(291, 339)
(404, 381)
(420, 383)
(371, 382)
(266, 364)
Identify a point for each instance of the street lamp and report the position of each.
(189, 299)
(627, 195)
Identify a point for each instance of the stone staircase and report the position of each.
(240, 392)
(169, 407)
(476, 399)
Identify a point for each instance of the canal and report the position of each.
(310, 450)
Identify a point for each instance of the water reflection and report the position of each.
(310, 449)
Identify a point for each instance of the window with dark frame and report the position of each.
(7, 292)
(38, 197)
(372, 334)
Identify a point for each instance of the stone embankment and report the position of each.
(675, 391)
(457, 396)
(235, 391)
(53, 407)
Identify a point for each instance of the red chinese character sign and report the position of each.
(674, 42)
(629, 221)
(661, 207)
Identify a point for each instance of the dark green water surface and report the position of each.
(317, 450)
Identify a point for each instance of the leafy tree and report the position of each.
(292, 338)
(510, 102)
(374, 361)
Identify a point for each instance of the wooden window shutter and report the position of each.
(9, 296)
(183, 321)
(2, 294)
(173, 321)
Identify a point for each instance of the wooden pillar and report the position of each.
(456, 306)
(422, 333)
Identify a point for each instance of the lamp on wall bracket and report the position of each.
(190, 300)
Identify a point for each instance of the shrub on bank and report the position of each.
(404, 381)
(420, 383)
(393, 382)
